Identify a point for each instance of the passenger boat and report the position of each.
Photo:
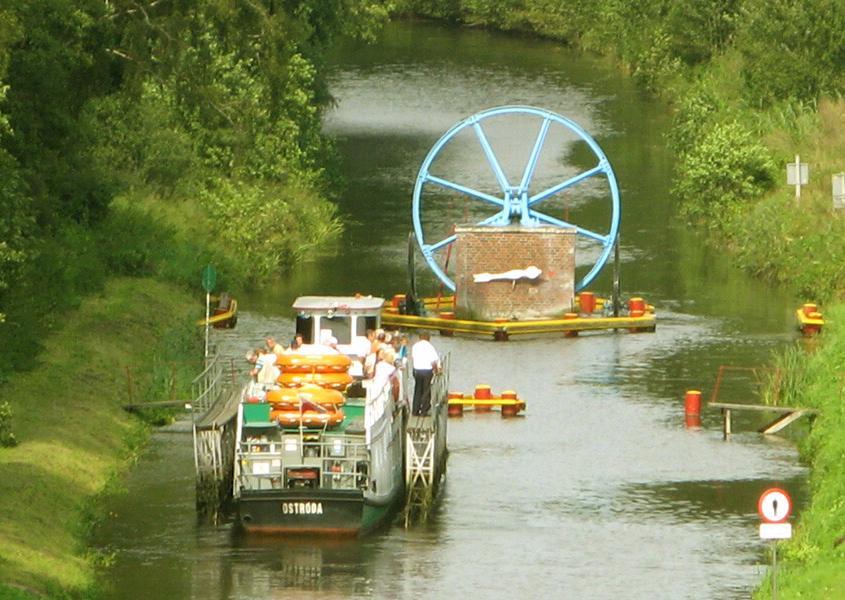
(311, 457)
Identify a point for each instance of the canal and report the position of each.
(599, 491)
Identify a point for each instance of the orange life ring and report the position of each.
(288, 398)
(313, 363)
(308, 418)
(337, 381)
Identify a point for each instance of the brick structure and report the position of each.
(499, 249)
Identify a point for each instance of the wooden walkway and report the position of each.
(786, 416)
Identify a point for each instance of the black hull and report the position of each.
(310, 512)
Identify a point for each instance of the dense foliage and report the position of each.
(202, 117)
(747, 77)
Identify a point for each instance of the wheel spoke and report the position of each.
(581, 231)
(464, 190)
(491, 158)
(444, 242)
(535, 154)
(561, 186)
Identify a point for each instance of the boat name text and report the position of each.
(302, 508)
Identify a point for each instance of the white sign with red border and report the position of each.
(774, 507)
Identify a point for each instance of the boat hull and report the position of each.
(337, 513)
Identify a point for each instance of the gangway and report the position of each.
(426, 451)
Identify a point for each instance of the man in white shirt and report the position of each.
(426, 363)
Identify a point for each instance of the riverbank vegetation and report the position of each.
(753, 83)
(810, 564)
(139, 141)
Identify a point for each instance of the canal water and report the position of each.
(598, 491)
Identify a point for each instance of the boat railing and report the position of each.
(338, 463)
(209, 386)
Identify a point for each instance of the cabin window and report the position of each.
(305, 326)
(340, 327)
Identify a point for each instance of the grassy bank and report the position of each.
(810, 565)
(73, 435)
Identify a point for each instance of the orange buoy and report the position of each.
(569, 317)
(288, 398)
(510, 410)
(692, 403)
(456, 410)
(809, 308)
(587, 300)
(636, 303)
(692, 421)
(447, 316)
(308, 417)
(337, 381)
(397, 300)
(313, 363)
(482, 392)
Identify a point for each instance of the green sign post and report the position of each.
(209, 278)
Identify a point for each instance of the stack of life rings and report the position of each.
(311, 393)
(324, 370)
(309, 406)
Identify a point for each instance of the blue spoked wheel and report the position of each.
(510, 202)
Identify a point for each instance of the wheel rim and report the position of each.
(515, 201)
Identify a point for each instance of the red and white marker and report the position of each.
(774, 507)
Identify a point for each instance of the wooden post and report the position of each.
(727, 425)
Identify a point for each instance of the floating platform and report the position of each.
(810, 320)
(483, 400)
(587, 315)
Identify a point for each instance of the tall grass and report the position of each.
(73, 435)
(811, 563)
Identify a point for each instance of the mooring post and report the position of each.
(616, 277)
(727, 426)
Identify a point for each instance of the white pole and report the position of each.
(207, 316)
(797, 180)
(774, 570)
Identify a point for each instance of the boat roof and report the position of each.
(343, 304)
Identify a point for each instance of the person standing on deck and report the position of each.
(273, 346)
(426, 363)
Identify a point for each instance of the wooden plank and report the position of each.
(163, 404)
(760, 407)
(783, 421)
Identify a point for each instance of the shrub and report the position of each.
(722, 172)
(7, 438)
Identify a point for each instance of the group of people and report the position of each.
(263, 359)
(376, 358)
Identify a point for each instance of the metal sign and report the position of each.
(838, 190)
(774, 506)
(209, 278)
(792, 173)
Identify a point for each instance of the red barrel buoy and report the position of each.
(397, 300)
(447, 316)
(482, 392)
(809, 308)
(636, 303)
(692, 403)
(692, 421)
(812, 328)
(636, 313)
(510, 410)
(456, 410)
(588, 302)
(568, 317)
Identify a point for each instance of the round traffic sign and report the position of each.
(774, 506)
